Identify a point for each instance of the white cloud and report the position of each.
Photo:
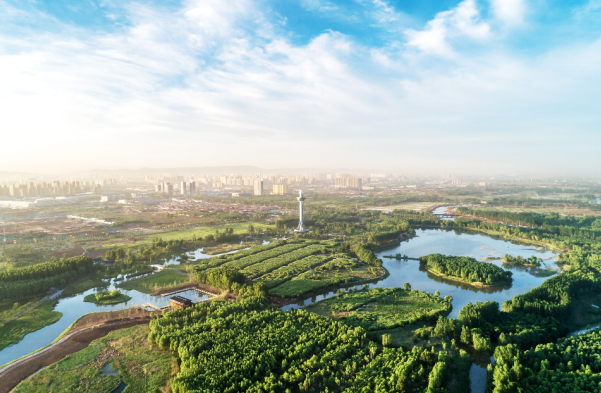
(151, 95)
(509, 11)
(462, 21)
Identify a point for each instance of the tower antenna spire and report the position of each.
(301, 226)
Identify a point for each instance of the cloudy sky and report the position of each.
(396, 85)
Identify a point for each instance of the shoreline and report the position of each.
(474, 284)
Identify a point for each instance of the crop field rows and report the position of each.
(271, 264)
(262, 256)
(244, 258)
(336, 271)
(291, 270)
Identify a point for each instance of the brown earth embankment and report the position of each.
(73, 342)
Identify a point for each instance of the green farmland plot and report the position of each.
(269, 265)
(336, 271)
(290, 271)
(208, 263)
(262, 256)
(342, 270)
(297, 288)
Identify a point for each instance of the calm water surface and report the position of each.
(450, 242)
(427, 241)
(459, 243)
(73, 308)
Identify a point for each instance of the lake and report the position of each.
(427, 241)
(458, 243)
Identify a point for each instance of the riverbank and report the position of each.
(165, 280)
(474, 284)
(32, 319)
(123, 358)
(72, 342)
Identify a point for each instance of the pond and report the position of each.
(459, 243)
(73, 308)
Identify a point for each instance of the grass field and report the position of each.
(142, 367)
(241, 227)
(290, 271)
(421, 206)
(13, 331)
(163, 279)
(382, 308)
(334, 272)
(84, 285)
(299, 287)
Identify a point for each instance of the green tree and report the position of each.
(466, 335)
(386, 340)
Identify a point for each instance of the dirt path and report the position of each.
(71, 343)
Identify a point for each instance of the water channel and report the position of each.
(427, 241)
(460, 243)
(74, 307)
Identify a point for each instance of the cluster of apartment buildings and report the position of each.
(184, 188)
(55, 188)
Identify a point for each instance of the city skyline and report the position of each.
(396, 86)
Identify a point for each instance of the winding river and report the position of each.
(426, 241)
(460, 243)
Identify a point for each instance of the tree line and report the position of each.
(466, 268)
(32, 280)
(249, 346)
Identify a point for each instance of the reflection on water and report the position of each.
(451, 242)
(457, 243)
(463, 285)
(73, 308)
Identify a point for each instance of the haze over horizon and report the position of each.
(499, 85)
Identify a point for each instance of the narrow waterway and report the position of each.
(73, 308)
(459, 243)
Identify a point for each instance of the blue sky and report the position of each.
(473, 85)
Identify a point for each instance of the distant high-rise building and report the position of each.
(192, 187)
(258, 187)
(167, 188)
(456, 181)
(348, 182)
(158, 188)
(183, 187)
(280, 189)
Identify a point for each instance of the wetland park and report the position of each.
(321, 311)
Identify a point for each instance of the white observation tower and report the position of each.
(301, 226)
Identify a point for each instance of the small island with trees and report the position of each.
(532, 261)
(107, 297)
(466, 269)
